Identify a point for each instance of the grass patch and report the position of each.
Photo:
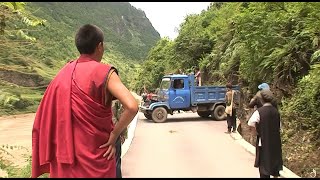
(14, 172)
(19, 100)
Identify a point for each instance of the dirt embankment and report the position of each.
(23, 79)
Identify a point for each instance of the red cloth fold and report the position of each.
(46, 141)
(70, 125)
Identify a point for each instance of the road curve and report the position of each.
(185, 146)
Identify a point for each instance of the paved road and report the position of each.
(185, 146)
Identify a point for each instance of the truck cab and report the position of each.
(179, 92)
(175, 91)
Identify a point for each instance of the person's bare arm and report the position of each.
(253, 102)
(129, 103)
(130, 106)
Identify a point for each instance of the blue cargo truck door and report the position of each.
(179, 97)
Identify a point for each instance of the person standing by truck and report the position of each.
(231, 104)
(180, 71)
(198, 76)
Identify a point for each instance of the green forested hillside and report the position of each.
(127, 30)
(37, 39)
(248, 43)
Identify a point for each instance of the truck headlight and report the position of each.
(154, 98)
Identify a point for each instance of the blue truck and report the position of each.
(179, 92)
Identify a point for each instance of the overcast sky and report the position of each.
(167, 16)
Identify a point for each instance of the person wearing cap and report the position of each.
(266, 121)
(256, 100)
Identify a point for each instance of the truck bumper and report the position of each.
(144, 109)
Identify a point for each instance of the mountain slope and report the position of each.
(127, 30)
(26, 67)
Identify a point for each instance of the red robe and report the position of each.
(72, 122)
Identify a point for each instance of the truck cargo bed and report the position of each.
(207, 94)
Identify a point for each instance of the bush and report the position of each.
(301, 112)
(14, 101)
(300, 125)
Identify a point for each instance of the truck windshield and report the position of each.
(165, 84)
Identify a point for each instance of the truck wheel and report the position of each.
(204, 114)
(159, 115)
(218, 113)
(148, 116)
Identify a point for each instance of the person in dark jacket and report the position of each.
(256, 100)
(266, 121)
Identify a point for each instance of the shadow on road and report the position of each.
(179, 119)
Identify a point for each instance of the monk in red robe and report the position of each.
(73, 134)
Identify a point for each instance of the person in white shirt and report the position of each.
(266, 121)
